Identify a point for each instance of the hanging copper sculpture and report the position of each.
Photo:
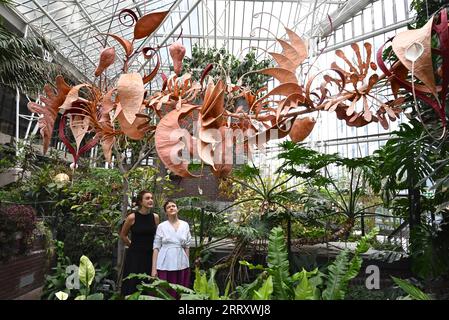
(196, 119)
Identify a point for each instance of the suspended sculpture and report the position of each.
(200, 120)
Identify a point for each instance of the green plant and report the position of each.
(328, 285)
(413, 292)
(425, 9)
(87, 214)
(227, 66)
(86, 273)
(412, 160)
(56, 281)
(259, 204)
(42, 230)
(346, 199)
(275, 281)
(429, 250)
(22, 62)
(7, 157)
(93, 282)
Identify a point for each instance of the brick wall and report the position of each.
(208, 183)
(22, 274)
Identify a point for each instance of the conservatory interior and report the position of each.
(224, 150)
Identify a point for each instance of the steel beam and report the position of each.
(168, 35)
(19, 24)
(338, 18)
(63, 31)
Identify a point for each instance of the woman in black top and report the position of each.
(142, 223)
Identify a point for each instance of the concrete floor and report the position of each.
(31, 295)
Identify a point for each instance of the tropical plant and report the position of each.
(429, 248)
(328, 285)
(413, 160)
(275, 281)
(407, 160)
(22, 62)
(87, 215)
(345, 199)
(259, 204)
(7, 157)
(226, 66)
(91, 283)
(425, 9)
(56, 281)
(413, 292)
(84, 213)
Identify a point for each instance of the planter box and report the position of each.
(22, 274)
(9, 176)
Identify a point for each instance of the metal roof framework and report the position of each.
(77, 27)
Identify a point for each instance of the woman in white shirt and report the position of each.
(171, 249)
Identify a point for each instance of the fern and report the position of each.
(246, 291)
(200, 283)
(305, 290)
(278, 264)
(212, 287)
(342, 270)
(264, 293)
(414, 292)
(336, 277)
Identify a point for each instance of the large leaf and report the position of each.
(49, 109)
(86, 271)
(146, 25)
(264, 293)
(200, 283)
(356, 262)
(278, 263)
(61, 295)
(95, 296)
(423, 68)
(212, 287)
(336, 277)
(130, 92)
(168, 141)
(305, 290)
(413, 291)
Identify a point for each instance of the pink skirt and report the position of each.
(181, 277)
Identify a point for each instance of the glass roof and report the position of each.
(77, 27)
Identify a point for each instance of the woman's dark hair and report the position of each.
(167, 202)
(140, 196)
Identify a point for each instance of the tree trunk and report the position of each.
(121, 245)
(414, 198)
(362, 223)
